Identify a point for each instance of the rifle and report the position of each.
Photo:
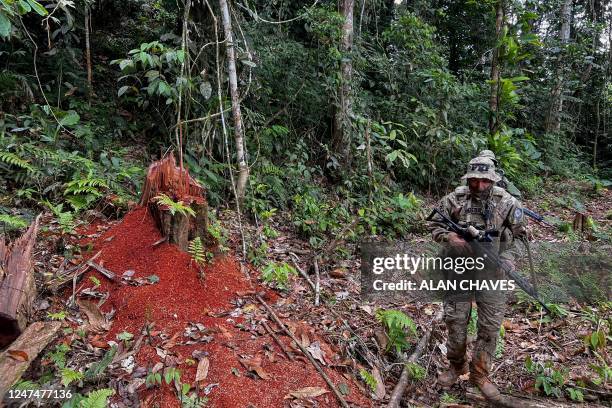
(536, 217)
(475, 237)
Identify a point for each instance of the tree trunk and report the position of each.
(33, 340)
(243, 168)
(17, 286)
(341, 133)
(553, 123)
(165, 177)
(88, 54)
(495, 70)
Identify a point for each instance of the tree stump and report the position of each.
(17, 286)
(165, 178)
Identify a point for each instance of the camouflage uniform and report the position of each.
(501, 212)
(504, 182)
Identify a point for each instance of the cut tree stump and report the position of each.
(15, 360)
(17, 286)
(164, 177)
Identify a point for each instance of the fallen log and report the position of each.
(398, 391)
(476, 399)
(15, 360)
(169, 183)
(17, 286)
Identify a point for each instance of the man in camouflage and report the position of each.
(504, 182)
(490, 208)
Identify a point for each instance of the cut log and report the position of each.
(164, 177)
(17, 286)
(398, 391)
(15, 360)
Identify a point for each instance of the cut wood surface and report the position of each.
(165, 177)
(18, 357)
(17, 286)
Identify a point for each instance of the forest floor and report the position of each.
(201, 329)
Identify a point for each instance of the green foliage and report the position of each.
(96, 398)
(500, 344)
(448, 398)
(12, 222)
(98, 368)
(61, 315)
(396, 324)
(58, 355)
(548, 379)
(278, 274)
(472, 328)
(416, 371)
(69, 376)
(196, 250)
(153, 379)
(173, 206)
(368, 379)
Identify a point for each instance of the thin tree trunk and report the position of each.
(243, 168)
(553, 124)
(495, 70)
(88, 54)
(341, 136)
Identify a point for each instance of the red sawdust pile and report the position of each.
(179, 298)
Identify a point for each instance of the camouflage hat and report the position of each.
(483, 168)
(488, 154)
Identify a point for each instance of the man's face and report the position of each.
(479, 185)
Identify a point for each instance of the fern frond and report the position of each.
(14, 160)
(13, 221)
(69, 376)
(97, 398)
(173, 206)
(368, 379)
(196, 250)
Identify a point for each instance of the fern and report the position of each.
(396, 323)
(98, 368)
(69, 376)
(26, 385)
(368, 379)
(13, 221)
(14, 160)
(196, 250)
(97, 398)
(173, 206)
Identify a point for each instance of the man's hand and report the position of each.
(459, 244)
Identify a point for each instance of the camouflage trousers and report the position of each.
(491, 306)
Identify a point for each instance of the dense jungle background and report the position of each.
(318, 123)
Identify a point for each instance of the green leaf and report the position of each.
(125, 336)
(125, 63)
(24, 7)
(71, 119)
(97, 398)
(69, 376)
(5, 25)
(180, 54)
(38, 7)
(98, 368)
(123, 90)
(153, 278)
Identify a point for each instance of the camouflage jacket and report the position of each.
(500, 212)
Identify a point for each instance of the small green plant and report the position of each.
(575, 395)
(196, 250)
(548, 379)
(596, 340)
(65, 219)
(396, 323)
(416, 371)
(257, 254)
(174, 206)
(58, 355)
(61, 315)
(12, 222)
(448, 398)
(153, 379)
(96, 398)
(125, 337)
(278, 274)
(368, 379)
(269, 232)
(69, 376)
(603, 370)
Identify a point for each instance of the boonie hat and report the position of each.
(488, 154)
(482, 167)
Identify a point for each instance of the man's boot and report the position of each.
(450, 375)
(479, 376)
